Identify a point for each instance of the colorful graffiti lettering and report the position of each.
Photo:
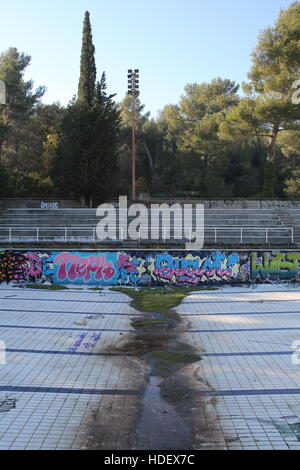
(128, 267)
(34, 268)
(16, 266)
(12, 266)
(148, 268)
(84, 269)
(193, 270)
(274, 266)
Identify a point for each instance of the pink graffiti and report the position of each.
(224, 273)
(190, 275)
(125, 263)
(34, 266)
(74, 267)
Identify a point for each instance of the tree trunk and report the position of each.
(82, 200)
(1, 145)
(205, 173)
(3, 129)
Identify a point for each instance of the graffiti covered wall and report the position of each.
(140, 268)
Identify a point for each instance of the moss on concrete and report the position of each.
(174, 356)
(43, 286)
(158, 300)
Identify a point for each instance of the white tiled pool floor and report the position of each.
(247, 337)
(58, 368)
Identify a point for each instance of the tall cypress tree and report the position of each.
(88, 72)
(86, 152)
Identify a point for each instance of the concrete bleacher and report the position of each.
(235, 226)
(291, 216)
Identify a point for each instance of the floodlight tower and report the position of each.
(2, 98)
(133, 90)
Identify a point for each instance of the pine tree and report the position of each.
(88, 72)
(21, 99)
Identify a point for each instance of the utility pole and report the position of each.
(133, 90)
(3, 104)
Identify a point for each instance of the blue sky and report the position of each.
(172, 42)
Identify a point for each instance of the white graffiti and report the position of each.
(49, 205)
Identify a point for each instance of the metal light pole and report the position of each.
(133, 90)
(3, 103)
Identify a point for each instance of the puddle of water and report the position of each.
(160, 427)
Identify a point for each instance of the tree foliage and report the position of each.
(21, 100)
(88, 72)
(215, 142)
(267, 108)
